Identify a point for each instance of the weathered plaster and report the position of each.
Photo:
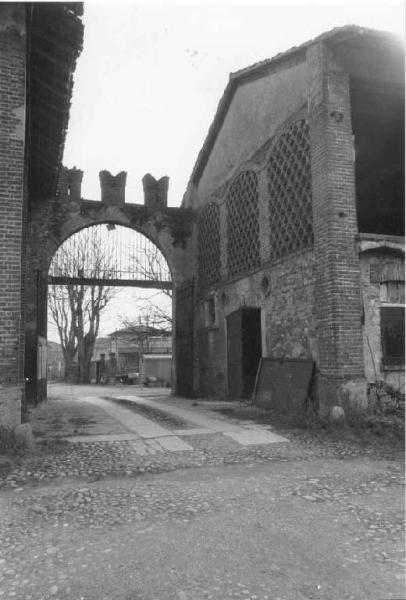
(258, 108)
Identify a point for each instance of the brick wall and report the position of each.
(12, 143)
(52, 220)
(309, 259)
(312, 307)
(287, 307)
(338, 307)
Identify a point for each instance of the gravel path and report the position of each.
(209, 533)
(308, 519)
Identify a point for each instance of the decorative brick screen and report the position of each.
(290, 196)
(209, 245)
(243, 224)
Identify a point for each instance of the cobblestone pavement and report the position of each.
(108, 520)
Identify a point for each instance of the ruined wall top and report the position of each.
(113, 188)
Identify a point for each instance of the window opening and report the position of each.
(290, 197)
(243, 224)
(209, 245)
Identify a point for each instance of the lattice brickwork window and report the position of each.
(209, 245)
(290, 196)
(243, 224)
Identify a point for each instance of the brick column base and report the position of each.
(351, 394)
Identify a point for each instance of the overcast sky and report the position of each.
(150, 77)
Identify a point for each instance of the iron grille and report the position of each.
(243, 224)
(290, 195)
(209, 245)
(110, 252)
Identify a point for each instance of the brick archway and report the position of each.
(54, 220)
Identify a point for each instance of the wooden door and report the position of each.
(251, 348)
(234, 355)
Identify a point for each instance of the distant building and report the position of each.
(118, 355)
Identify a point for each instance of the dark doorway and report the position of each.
(378, 122)
(244, 349)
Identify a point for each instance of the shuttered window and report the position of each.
(393, 335)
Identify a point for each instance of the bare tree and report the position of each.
(152, 266)
(59, 301)
(76, 308)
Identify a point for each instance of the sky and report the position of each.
(150, 77)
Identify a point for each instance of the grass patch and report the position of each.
(360, 429)
(149, 412)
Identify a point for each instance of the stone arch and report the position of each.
(53, 220)
(54, 246)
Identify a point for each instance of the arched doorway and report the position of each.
(85, 275)
(171, 230)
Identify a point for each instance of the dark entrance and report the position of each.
(243, 350)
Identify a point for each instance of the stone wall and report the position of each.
(12, 147)
(284, 292)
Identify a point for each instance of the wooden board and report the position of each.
(283, 384)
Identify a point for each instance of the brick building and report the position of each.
(289, 240)
(39, 44)
(299, 194)
(124, 348)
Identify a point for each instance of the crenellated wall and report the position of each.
(53, 220)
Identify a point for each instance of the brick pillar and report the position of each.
(75, 177)
(113, 188)
(155, 192)
(337, 294)
(12, 135)
(70, 184)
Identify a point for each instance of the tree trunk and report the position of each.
(70, 365)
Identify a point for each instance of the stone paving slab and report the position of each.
(90, 439)
(68, 416)
(133, 422)
(99, 420)
(244, 435)
(191, 415)
(195, 431)
(253, 437)
(173, 444)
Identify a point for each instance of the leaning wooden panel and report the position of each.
(283, 384)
